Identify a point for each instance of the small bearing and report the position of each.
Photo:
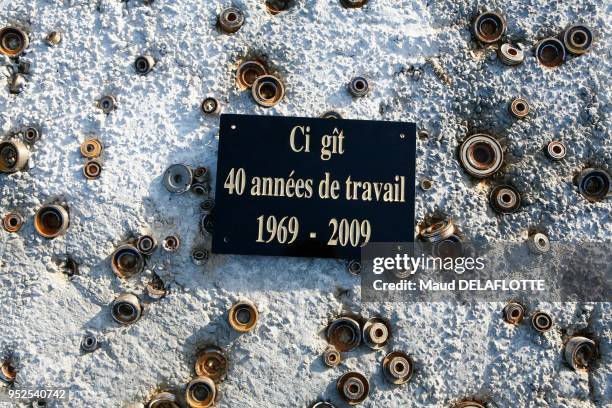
(91, 148)
(107, 103)
(163, 400)
(505, 199)
(489, 27)
(231, 19)
(353, 266)
(267, 90)
(510, 54)
(89, 343)
(92, 169)
(39, 403)
(550, 52)
(171, 243)
(556, 150)
(53, 38)
(31, 135)
(358, 87)
(201, 189)
(580, 353)
(201, 392)
(514, 313)
(468, 404)
(577, 39)
(331, 357)
(594, 184)
(126, 261)
(51, 221)
(69, 267)
(353, 3)
(126, 309)
(14, 156)
(206, 224)
(541, 321)
(248, 72)
(397, 367)
(210, 106)
(207, 205)
(449, 247)
(155, 288)
(13, 41)
(353, 387)
(481, 155)
(12, 222)
(146, 244)
(212, 363)
(178, 178)
(276, 6)
(426, 184)
(8, 372)
(376, 333)
(322, 404)
(344, 334)
(201, 174)
(199, 256)
(438, 231)
(538, 243)
(16, 83)
(144, 64)
(243, 316)
(519, 108)
(331, 115)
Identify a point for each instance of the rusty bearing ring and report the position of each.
(353, 3)
(276, 6)
(212, 363)
(376, 333)
(155, 288)
(207, 205)
(8, 371)
(248, 72)
(514, 313)
(89, 343)
(469, 404)
(519, 108)
(210, 106)
(127, 261)
(359, 87)
(200, 392)
(331, 115)
(489, 27)
(397, 367)
(91, 148)
(481, 155)
(51, 221)
(199, 256)
(580, 353)
(353, 387)
(353, 266)
(344, 334)
(331, 357)
(243, 316)
(12, 222)
(144, 64)
(541, 321)
(171, 243)
(126, 309)
(510, 54)
(594, 184)
(231, 19)
(267, 90)
(578, 39)
(505, 199)
(556, 150)
(538, 243)
(550, 52)
(92, 169)
(13, 41)
(14, 156)
(31, 135)
(438, 231)
(146, 244)
(107, 103)
(163, 400)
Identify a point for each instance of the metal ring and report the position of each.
(331, 115)
(211, 362)
(31, 135)
(207, 205)
(481, 155)
(126, 309)
(91, 148)
(144, 64)
(489, 27)
(397, 367)
(276, 6)
(376, 333)
(519, 108)
(438, 231)
(505, 199)
(146, 244)
(231, 19)
(513, 313)
(556, 150)
(580, 353)
(107, 103)
(171, 243)
(127, 261)
(163, 400)
(155, 288)
(594, 184)
(178, 178)
(510, 54)
(12, 222)
(353, 266)
(13, 41)
(14, 156)
(344, 334)
(332, 357)
(449, 247)
(541, 321)
(201, 392)
(322, 404)
(550, 52)
(199, 256)
(210, 106)
(243, 316)
(200, 189)
(353, 387)
(8, 371)
(359, 87)
(577, 39)
(51, 221)
(206, 223)
(53, 38)
(267, 90)
(468, 404)
(89, 343)
(92, 169)
(353, 3)
(538, 243)
(201, 174)
(426, 184)
(248, 72)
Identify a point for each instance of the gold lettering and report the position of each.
(304, 132)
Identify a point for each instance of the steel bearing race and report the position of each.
(353, 3)
(489, 27)
(505, 199)
(550, 52)
(449, 247)
(201, 174)
(163, 400)
(577, 39)
(201, 392)
(155, 288)
(353, 387)
(207, 205)
(481, 155)
(126, 309)
(92, 169)
(344, 334)
(331, 115)
(538, 243)
(541, 321)
(580, 353)
(267, 90)
(332, 357)
(200, 189)
(358, 87)
(211, 362)
(12, 222)
(322, 404)
(31, 135)
(127, 261)
(513, 313)
(91, 148)
(248, 72)
(376, 333)
(210, 106)
(144, 64)
(353, 266)
(206, 224)
(107, 103)
(199, 256)
(397, 367)
(519, 108)
(243, 316)
(171, 243)
(8, 372)
(178, 178)
(594, 184)
(231, 19)
(51, 221)
(13, 41)
(556, 150)
(89, 343)
(14, 156)
(146, 244)
(426, 184)
(510, 54)
(438, 231)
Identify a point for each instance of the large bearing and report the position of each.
(126, 309)
(231, 19)
(505, 199)
(376, 333)
(13, 41)
(397, 367)
(201, 392)
(146, 244)
(514, 313)
(594, 184)
(481, 155)
(438, 231)
(541, 321)
(550, 52)
(178, 178)
(267, 90)
(489, 27)
(248, 72)
(344, 334)
(211, 362)
(51, 221)
(14, 156)
(353, 387)
(577, 39)
(510, 54)
(163, 400)
(556, 150)
(127, 261)
(243, 316)
(580, 353)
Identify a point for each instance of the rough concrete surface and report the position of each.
(461, 350)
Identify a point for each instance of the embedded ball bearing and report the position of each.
(8, 371)
(171, 243)
(126, 309)
(54, 38)
(144, 64)
(538, 243)
(331, 357)
(550, 52)
(210, 106)
(207, 205)
(353, 266)
(13, 41)
(92, 169)
(426, 184)
(438, 231)
(359, 87)
(344, 334)
(199, 256)
(577, 39)
(31, 135)
(200, 392)
(200, 174)
(505, 199)
(155, 288)
(89, 343)
(91, 148)
(513, 313)
(580, 353)
(353, 387)
(248, 72)
(397, 367)
(146, 244)
(107, 103)
(556, 150)
(489, 27)
(449, 247)
(481, 155)
(519, 108)
(541, 321)
(211, 362)
(200, 189)
(178, 178)
(267, 90)
(331, 115)
(243, 316)
(353, 3)
(510, 54)
(12, 222)
(376, 333)
(14, 156)
(231, 19)
(51, 221)
(594, 184)
(127, 261)
(276, 6)
(206, 223)
(163, 400)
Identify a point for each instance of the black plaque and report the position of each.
(312, 187)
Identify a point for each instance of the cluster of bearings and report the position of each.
(91, 150)
(514, 312)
